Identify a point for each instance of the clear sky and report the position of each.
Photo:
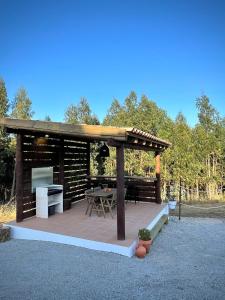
(172, 51)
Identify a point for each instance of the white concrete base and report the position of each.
(18, 232)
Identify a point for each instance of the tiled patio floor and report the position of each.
(75, 223)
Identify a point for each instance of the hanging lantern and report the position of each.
(104, 151)
(40, 141)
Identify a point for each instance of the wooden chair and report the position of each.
(111, 202)
(90, 199)
(97, 204)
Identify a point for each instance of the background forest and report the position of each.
(196, 158)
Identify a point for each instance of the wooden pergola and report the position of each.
(66, 148)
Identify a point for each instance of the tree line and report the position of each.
(196, 158)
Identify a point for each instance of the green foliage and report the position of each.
(207, 114)
(196, 155)
(47, 118)
(145, 115)
(6, 165)
(4, 102)
(6, 153)
(21, 106)
(81, 114)
(144, 234)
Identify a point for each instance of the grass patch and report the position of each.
(196, 211)
(7, 213)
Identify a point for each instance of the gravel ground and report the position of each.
(187, 261)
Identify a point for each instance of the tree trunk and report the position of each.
(197, 190)
(13, 184)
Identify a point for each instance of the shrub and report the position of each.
(144, 234)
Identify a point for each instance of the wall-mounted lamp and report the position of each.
(104, 151)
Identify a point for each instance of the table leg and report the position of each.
(110, 207)
(102, 205)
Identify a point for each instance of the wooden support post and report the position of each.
(61, 163)
(19, 178)
(157, 171)
(89, 164)
(120, 192)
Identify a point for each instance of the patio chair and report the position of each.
(110, 203)
(98, 206)
(90, 199)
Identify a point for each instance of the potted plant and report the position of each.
(145, 240)
(172, 202)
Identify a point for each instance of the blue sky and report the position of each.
(172, 51)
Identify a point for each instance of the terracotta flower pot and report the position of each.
(146, 244)
(140, 252)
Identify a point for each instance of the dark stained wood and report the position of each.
(71, 173)
(69, 131)
(19, 178)
(75, 195)
(61, 163)
(143, 189)
(69, 159)
(77, 187)
(71, 167)
(136, 146)
(29, 206)
(29, 213)
(88, 163)
(120, 193)
(38, 155)
(78, 198)
(41, 148)
(157, 171)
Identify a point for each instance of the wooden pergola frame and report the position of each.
(117, 137)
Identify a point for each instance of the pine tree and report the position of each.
(21, 106)
(4, 102)
(81, 114)
(6, 153)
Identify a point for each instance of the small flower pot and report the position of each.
(146, 244)
(140, 252)
(172, 204)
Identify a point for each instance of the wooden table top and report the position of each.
(100, 193)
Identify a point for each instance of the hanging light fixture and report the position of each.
(104, 151)
(40, 141)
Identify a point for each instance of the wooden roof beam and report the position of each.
(133, 146)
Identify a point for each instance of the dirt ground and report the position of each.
(186, 262)
(203, 210)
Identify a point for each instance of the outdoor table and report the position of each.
(102, 196)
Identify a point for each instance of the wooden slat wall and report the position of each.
(75, 169)
(137, 189)
(46, 153)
